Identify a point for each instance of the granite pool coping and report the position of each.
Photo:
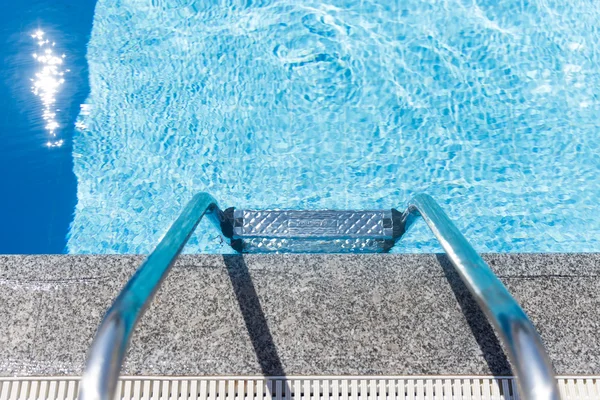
(296, 314)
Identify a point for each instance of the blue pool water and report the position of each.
(37, 184)
(492, 108)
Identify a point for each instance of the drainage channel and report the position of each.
(298, 388)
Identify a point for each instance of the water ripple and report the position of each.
(490, 107)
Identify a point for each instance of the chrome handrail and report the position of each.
(525, 349)
(108, 349)
(536, 378)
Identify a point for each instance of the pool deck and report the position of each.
(296, 314)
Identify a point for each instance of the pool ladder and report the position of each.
(280, 230)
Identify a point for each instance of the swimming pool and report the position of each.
(490, 108)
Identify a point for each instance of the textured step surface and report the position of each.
(318, 223)
(315, 231)
(296, 314)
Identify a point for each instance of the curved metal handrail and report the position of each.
(525, 348)
(106, 355)
(526, 351)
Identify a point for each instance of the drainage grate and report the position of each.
(296, 388)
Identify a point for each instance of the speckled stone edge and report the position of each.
(296, 314)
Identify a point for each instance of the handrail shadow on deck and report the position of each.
(254, 317)
(266, 350)
(482, 330)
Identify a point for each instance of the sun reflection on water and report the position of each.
(47, 83)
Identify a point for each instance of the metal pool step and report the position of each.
(298, 388)
(323, 231)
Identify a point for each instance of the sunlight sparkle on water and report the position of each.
(46, 84)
